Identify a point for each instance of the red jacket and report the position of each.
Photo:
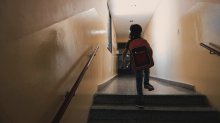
(141, 61)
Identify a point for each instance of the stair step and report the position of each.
(192, 108)
(150, 108)
(153, 113)
(165, 100)
(147, 121)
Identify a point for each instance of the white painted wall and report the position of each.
(175, 32)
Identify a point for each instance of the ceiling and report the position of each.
(127, 12)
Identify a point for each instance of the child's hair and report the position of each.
(135, 30)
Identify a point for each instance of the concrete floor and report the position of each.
(126, 85)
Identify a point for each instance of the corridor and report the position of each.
(60, 58)
(126, 85)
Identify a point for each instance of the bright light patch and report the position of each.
(95, 32)
(133, 7)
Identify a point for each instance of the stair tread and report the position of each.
(151, 108)
(150, 104)
(118, 95)
(149, 97)
(166, 100)
(146, 121)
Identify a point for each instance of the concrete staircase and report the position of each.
(158, 109)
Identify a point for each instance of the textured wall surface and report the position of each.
(23, 17)
(175, 33)
(43, 47)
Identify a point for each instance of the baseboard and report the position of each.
(180, 84)
(107, 82)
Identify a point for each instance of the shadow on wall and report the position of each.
(47, 59)
(46, 53)
(39, 54)
(31, 73)
(68, 80)
(71, 75)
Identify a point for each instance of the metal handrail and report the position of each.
(71, 94)
(212, 50)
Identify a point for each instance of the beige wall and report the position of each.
(23, 17)
(102, 69)
(175, 32)
(42, 54)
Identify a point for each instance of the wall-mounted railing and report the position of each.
(72, 92)
(211, 49)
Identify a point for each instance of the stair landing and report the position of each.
(126, 85)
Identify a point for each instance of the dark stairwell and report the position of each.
(115, 103)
